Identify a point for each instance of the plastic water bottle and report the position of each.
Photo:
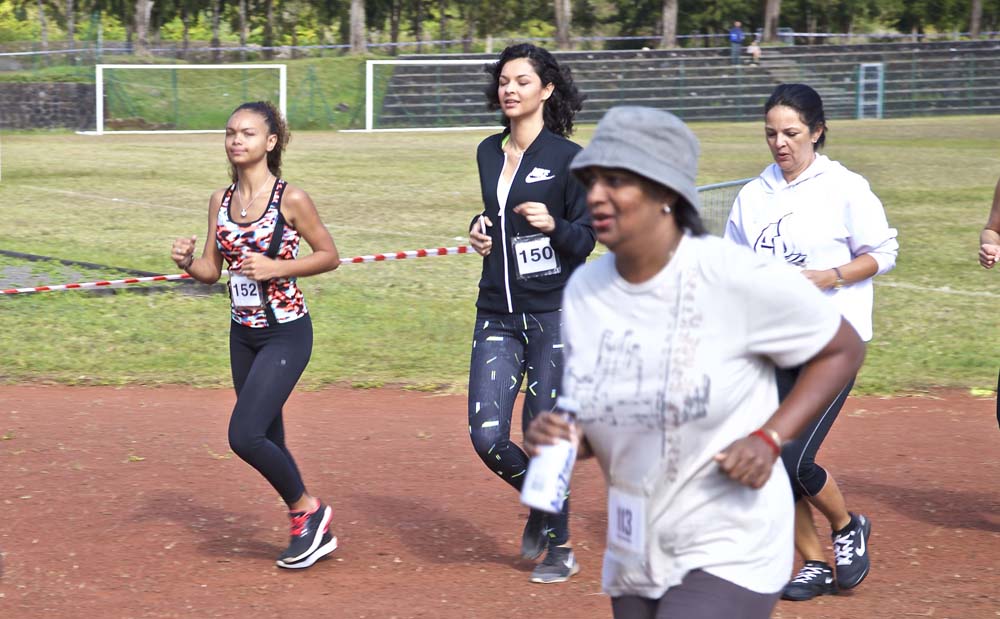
(547, 479)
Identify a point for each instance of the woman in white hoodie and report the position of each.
(815, 214)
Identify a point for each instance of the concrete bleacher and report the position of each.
(949, 77)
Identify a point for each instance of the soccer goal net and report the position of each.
(413, 95)
(181, 98)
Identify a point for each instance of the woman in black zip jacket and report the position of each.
(533, 232)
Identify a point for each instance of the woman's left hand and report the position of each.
(824, 280)
(748, 461)
(260, 267)
(537, 215)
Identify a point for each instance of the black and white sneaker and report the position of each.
(559, 565)
(850, 545)
(815, 578)
(535, 538)
(308, 531)
(326, 546)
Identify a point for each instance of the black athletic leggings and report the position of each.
(266, 364)
(506, 350)
(799, 455)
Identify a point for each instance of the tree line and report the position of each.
(361, 23)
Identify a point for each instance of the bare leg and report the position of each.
(306, 503)
(830, 502)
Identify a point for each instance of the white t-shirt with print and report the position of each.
(666, 374)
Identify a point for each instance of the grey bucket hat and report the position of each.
(648, 142)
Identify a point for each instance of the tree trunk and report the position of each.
(470, 27)
(443, 24)
(358, 43)
(395, 15)
(669, 21)
(43, 27)
(244, 29)
(418, 26)
(216, 10)
(269, 29)
(564, 17)
(186, 39)
(772, 13)
(976, 19)
(143, 12)
(70, 24)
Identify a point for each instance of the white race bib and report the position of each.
(245, 292)
(534, 256)
(626, 523)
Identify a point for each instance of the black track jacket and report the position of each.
(542, 176)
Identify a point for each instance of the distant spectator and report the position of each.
(735, 42)
(754, 50)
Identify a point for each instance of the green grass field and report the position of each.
(120, 200)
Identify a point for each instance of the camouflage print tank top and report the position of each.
(283, 300)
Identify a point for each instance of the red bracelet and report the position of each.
(767, 438)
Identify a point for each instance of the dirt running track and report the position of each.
(126, 503)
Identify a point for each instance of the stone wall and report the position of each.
(46, 106)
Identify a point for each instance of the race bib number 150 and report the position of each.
(535, 257)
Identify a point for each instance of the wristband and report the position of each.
(840, 278)
(771, 438)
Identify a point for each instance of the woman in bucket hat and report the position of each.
(671, 343)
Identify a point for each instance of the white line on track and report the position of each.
(96, 197)
(130, 202)
(939, 290)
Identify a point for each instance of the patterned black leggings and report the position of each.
(508, 350)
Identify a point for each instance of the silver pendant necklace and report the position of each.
(245, 206)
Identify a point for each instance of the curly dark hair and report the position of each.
(277, 125)
(565, 100)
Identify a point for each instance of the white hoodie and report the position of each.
(823, 219)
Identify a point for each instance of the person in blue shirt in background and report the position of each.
(735, 42)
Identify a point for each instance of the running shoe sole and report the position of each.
(320, 552)
(548, 580)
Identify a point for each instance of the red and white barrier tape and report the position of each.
(401, 255)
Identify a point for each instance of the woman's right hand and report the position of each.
(480, 241)
(989, 255)
(182, 252)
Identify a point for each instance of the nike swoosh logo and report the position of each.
(861, 545)
(537, 179)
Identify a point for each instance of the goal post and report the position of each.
(442, 96)
(157, 101)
